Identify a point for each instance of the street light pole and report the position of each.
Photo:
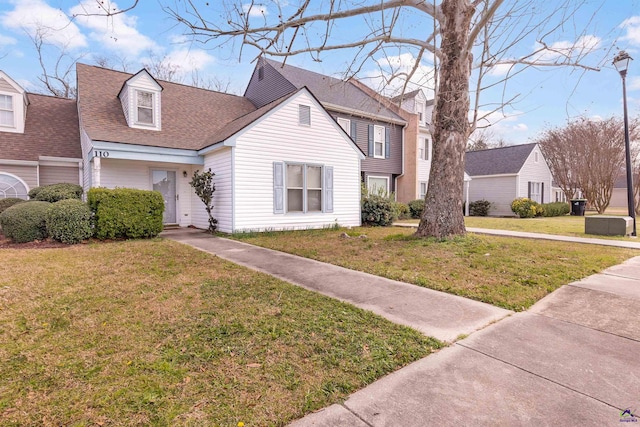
(621, 62)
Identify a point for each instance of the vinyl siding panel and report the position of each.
(137, 174)
(279, 138)
(87, 146)
(392, 165)
(57, 174)
(5, 86)
(500, 191)
(272, 86)
(220, 164)
(29, 174)
(535, 172)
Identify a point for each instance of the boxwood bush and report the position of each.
(25, 222)
(400, 210)
(526, 208)
(479, 208)
(69, 221)
(8, 202)
(416, 207)
(377, 210)
(555, 209)
(126, 212)
(56, 192)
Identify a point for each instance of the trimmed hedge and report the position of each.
(416, 207)
(56, 192)
(526, 208)
(555, 209)
(377, 211)
(69, 221)
(25, 222)
(479, 208)
(126, 212)
(8, 202)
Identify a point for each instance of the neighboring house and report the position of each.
(418, 146)
(39, 140)
(376, 130)
(284, 165)
(501, 175)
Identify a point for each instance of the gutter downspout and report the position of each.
(403, 154)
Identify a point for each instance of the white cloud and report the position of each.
(500, 70)
(6, 40)
(521, 127)
(400, 65)
(255, 10)
(189, 60)
(632, 26)
(567, 49)
(35, 16)
(116, 32)
(634, 83)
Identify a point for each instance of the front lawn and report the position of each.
(157, 333)
(512, 273)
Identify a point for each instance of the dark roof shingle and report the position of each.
(330, 90)
(190, 116)
(51, 129)
(497, 161)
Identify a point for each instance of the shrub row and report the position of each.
(119, 213)
(479, 208)
(555, 209)
(527, 208)
(56, 192)
(8, 202)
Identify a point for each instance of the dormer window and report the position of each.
(145, 108)
(6, 111)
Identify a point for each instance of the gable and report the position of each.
(141, 102)
(13, 105)
(497, 161)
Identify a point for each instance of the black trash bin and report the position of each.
(578, 206)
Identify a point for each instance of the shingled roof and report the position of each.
(191, 117)
(330, 90)
(51, 129)
(497, 161)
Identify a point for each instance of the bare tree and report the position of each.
(449, 34)
(485, 139)
(587, 155)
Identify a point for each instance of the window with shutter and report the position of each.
(307, 188)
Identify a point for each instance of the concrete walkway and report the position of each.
(572, 359)
(436, 314)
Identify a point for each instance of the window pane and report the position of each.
(378, 149)
(145, 99)
(11, 187)
(314, 177)
(6, 102)
(145, 115)
(294, 200)
(378, 134)
(377, 185)
(345, 124)
(294, 176)
(314, 200)
(6, 118)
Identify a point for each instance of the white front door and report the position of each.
(165, 183)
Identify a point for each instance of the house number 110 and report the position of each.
(104, 154)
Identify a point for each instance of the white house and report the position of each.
(501, 175)
(285, 165)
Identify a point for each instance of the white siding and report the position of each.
(137, 174)
(220, 164)
(58, 174)
(86, 145)
(500, 191)
(535, 172)
(424, 166)
(145, 83)
(29, 174)
(5, 86)
(279, 138)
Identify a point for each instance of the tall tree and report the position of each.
(587, 155)
(448, 33)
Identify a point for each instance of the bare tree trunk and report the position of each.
(442, 216)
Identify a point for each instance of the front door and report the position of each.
(165, 183)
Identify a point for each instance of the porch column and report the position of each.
(95, 182)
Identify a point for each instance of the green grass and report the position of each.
(156, 333)
(512, 273)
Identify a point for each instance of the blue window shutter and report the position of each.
(278, 187)
(328, 189)
(387, 143)
(353, 130)
(542, 192)
(370, 140)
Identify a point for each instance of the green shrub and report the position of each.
(56, 192)
(479, 208)
(377, 210)
(25, 222)
(555, 209)
(69, 221)
(526, 208)
(416, 207)
(8, 202)
(126, 212)
(400, 210)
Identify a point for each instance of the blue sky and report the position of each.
(546, 96)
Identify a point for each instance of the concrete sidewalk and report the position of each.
(436, 314)
(572, 359)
